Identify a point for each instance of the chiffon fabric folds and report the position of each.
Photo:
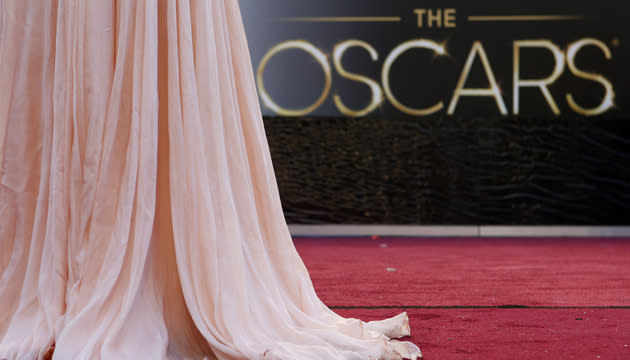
(139, 212)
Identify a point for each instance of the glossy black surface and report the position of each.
(512, 171)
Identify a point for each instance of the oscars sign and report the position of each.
(438, 61)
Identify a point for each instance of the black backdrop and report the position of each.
(477, 165)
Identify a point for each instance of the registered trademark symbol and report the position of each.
(615, 42)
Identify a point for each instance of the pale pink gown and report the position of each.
(139, 213)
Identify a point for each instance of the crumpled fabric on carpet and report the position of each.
(139, 212)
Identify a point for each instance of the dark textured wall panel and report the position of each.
(452, 171)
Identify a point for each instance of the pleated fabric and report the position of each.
(139, 212)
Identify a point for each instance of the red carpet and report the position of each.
(485, 298)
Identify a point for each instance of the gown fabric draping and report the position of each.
(139, 212)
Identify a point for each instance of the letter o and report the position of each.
(317, 54)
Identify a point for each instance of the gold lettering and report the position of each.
(494, 89)
(607, 102)
(377, 93)
(449, 18)
(437, 17)
(434, 17)
(420, 13)
(317, 54)
(399, 50)
(540, 83)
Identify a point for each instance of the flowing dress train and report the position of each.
(139, 212)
